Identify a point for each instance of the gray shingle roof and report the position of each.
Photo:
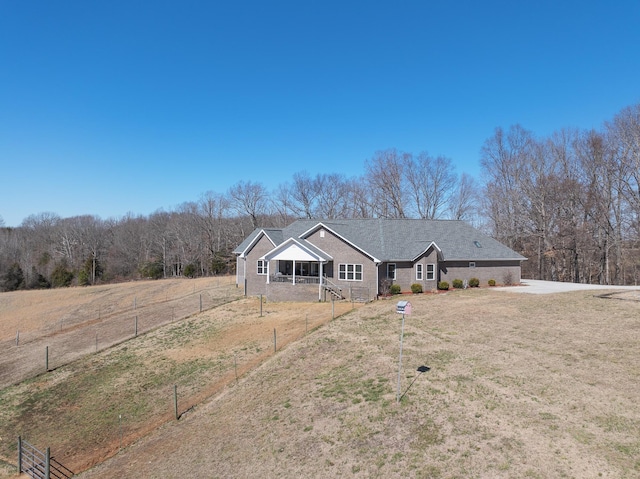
(402, 239)
(276, 235)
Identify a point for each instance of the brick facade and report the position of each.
(308, 250)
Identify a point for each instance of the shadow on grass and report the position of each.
(421, 369)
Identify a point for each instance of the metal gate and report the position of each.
(39, 465)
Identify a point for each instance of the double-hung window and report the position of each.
(262, 266)
(419, 272)
(350, 272)
(391, 271)
(431, 272)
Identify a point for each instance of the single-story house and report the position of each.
(358, 259)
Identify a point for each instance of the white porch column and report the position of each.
(294, 271)
(268, 275)
(320, 285)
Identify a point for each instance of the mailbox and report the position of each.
(403, 307)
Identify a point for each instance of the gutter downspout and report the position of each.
(244, 274)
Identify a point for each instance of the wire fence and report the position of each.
(247, 345)
(88, 331)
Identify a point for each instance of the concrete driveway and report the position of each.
(534, 286)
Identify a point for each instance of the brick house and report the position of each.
(358, 259)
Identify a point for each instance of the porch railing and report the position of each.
(286, 278)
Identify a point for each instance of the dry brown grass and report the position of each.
(74, 322)
(519, 386)
(86, 409)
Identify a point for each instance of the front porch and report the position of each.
(297, 271)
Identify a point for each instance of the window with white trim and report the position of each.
(431, 272)
(391, 270)
(262, 266)
(350, 272)
(419, 272)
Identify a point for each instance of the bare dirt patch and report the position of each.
(525, 386)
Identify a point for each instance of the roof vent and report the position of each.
(477, 243)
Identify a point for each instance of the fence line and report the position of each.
(234, 370)
(67, 322)
(22, 361)
(231, 370)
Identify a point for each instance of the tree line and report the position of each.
(569, 202)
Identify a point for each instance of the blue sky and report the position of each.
(132, 106)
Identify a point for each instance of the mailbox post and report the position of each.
(403, 307)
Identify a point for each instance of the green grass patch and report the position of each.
(343, 388)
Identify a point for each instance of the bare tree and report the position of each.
(283, 205)
(129, 249)
(566, 251)
(603, 201)
(360, 199)
(304, 195)
(212, 209)
(503, 157)
(431, 182)
(249, 198)
(38, 253)
(385, 176)
(463, 204)
(624, 133)
(160, 241)
(333, 196)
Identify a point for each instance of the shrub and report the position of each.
(395, 289)
(190, 270)
(38, 281)
(83, 278)
(443, 285)
(508, 278)
(492, 282)
(474, 282)
(385, 287)
(416, 288)
(152, 270)
(457, 283)
(61, 277)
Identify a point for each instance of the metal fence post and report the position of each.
(47, 464)
(19, 454)
(175, 400)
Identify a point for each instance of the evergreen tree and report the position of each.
(13, 279)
